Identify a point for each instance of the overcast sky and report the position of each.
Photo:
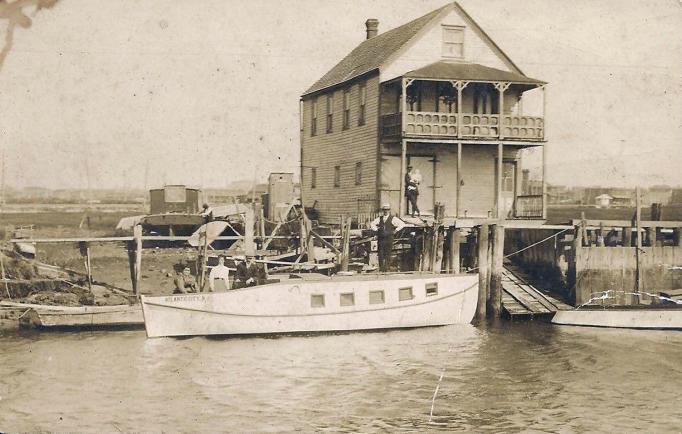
(204, 92)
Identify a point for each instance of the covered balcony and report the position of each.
(463, 101)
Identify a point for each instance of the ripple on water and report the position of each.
(507, 377)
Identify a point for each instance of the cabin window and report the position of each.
(330, 112)
(405, 294)
(358, 173)
(316, 300)
(376, 297)
(313, 121)
(363, 103)
(347, 299)
(431, 289)
(313, 177)
(453, 42)
(337, 176)
(346, 109)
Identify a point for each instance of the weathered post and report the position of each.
(627, 236)
(651, 236)
(600, 235)
(249, 222)
(454, 250)
(496, 268)
(137, 235)
(85, 252)
(482, 241)
(345, 248)
(573, 263)
(677, 236)
(639, 284)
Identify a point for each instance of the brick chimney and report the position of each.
(372, 25)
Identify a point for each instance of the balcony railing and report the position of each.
(528, 206)
(477, 126)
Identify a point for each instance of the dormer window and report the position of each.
(453, 42)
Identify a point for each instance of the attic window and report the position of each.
(453, 42)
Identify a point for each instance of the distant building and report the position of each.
(658, 194)
(174, 199)
(603, 200)
(437, 94)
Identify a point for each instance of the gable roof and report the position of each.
(468, 71)
(372, 53)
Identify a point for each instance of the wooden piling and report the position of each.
(651, 236)
(627, 236)
(496, 269)
(345, 239)
(454, 260)
(677, 236)
(137, 236)
(573, 264)
(600, 235)
(249, 242)
(482, 244)
(88, 265)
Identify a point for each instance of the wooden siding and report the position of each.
(427, 48)
(342, 148)
(478, 175)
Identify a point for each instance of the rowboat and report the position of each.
(315, 303)
(44, 316)
(636, 317)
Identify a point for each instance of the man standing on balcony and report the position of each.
(386, 226)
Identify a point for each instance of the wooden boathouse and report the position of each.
(437, 94)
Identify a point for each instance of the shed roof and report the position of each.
(468, 71)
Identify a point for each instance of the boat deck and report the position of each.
(524, 299)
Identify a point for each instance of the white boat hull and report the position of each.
(78, 316)
(621, 318)
(287, 307)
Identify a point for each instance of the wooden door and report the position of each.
(508, 187)
(390, 181)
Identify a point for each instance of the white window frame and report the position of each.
(446, 55)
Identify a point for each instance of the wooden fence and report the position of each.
(595, 257)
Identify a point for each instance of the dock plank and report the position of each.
(521, 297)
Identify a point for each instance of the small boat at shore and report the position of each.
(663, 317)
(308, 303)
(45, 316)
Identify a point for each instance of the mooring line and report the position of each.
(606, 295)
(435, 392)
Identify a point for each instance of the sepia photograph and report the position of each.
(377, 216)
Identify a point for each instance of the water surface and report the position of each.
(508, 377)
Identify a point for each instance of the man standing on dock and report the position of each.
(386, 225)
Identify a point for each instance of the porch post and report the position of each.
(459, 85)
(403, 171)
(544, 183)
(459, 179)
(544, 152)
(498, 197)
(403, 143)
(501, 87)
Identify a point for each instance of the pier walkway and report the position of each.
(523, 299)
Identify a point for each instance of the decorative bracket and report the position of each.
(459, 85)
(502, 86)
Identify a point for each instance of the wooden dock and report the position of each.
(521, 299)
